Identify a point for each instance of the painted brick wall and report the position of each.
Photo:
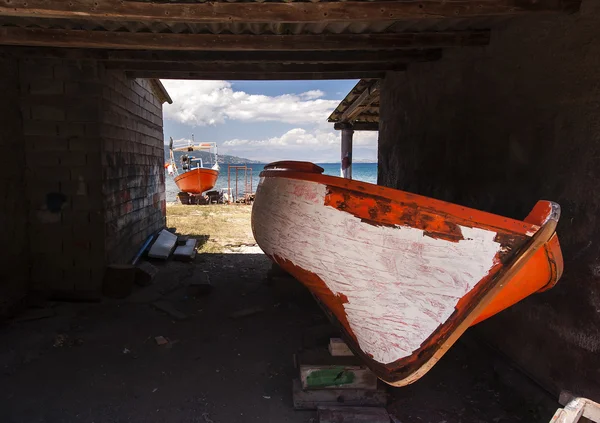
(88, 145)
(498, 128)
(13, 198)
(132, 164)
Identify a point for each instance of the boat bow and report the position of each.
(403, 275)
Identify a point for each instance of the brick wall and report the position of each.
(60, 104)
(83, 185)
(13, 198)
(498, 128)
(132, 164)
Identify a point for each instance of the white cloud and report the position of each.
(316, 144)
(214, 102)
(312, 95)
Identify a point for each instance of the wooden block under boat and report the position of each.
(337, 377)
(338, 348)
(311, 399)
(321, 357)
(341, 414)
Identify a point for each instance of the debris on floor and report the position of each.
(200, 284)
(163, 246)
(186, 252)
(161, 340)
(169, 308)
(145, 273)
(246, 312)
(63, 340)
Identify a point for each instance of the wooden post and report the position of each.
(347, 133)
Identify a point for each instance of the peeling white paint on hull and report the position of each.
(400, 284)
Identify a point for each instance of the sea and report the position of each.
(366, 172)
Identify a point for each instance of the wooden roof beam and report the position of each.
(231, 42)
(361, 102)
(278, 12)
(256, 67)
(255, 76)
(199, 57)
(358, 126)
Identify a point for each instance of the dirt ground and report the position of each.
(228, 357)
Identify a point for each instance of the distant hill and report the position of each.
(209, 158)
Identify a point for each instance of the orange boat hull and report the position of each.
(197, 181)
(403, 275)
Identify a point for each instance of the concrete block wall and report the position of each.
(82, 180)
(498, 128)
(60, 104)
(133, 184)
(13, 199)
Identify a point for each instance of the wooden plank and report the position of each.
(277, 12)
(198, 57)
(151, 66)
(248, 76)
(338, 348)
(231, 42)
(337, 414)
(576, 407)
(358, 126)
(337, 377)
(310, 400)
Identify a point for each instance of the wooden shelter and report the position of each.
(359, 110)
(511, 86)
(254, 39)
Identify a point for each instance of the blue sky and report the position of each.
(263, 120)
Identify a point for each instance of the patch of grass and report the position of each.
(220, 225)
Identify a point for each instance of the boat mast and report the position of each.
(216, 165)
(172, 157)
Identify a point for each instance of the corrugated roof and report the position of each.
(369, 107)
(166, 27)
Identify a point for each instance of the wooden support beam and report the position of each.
(356, 56)
(255, 12)
(255, 76)
(256, 67)
(232, 42)
(310, 400)
(358, 126)
(363, 100)
(337, 414)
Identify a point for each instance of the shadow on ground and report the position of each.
(228, 359)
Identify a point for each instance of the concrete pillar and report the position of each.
(347, 133)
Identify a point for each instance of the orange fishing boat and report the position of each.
(195, 178)
(403, 275)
